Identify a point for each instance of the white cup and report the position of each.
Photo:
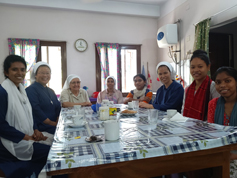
(112, 129)
(171, 112)
(78, 120)
(130, 105)
(105, 101)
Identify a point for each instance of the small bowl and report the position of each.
(77, 125)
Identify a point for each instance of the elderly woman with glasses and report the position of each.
(72, 94)
(45, 105)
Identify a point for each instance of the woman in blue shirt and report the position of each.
(44, 102)
(170, 94)
(20, 155)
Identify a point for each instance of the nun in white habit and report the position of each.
(170, 94)
(72, 94)
(45, 105)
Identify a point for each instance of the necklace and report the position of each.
(227, 121)
(48, 95)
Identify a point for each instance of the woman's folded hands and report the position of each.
(37, 136)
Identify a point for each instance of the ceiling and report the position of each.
(144, 8)
(151, 2)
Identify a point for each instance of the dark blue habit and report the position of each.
(169, 98)
(9, 164)
(44, 104)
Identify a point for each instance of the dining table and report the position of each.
(142, 150)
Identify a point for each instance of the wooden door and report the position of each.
(220, 51)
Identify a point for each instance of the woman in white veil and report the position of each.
(170, 94)
(110, 92)
(45, 105)
(72, 94)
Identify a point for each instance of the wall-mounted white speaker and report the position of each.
(167, 35)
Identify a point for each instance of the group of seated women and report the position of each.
(28, 118)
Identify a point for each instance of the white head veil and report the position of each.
(35, 68)
(113, 79)
(172, 71)
(69, 79)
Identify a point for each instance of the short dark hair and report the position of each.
(11, 59)
(228, 70)
(141, 76)
(202, 55)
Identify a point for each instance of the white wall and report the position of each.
(65, 25)
(190, 12)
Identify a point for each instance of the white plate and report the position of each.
(76, 126)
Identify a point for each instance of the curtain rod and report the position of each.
(217, 13)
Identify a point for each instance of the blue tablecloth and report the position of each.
(138, 140)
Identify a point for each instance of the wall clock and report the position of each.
(81, 45)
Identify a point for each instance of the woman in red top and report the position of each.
(223, 110)
(202, 89)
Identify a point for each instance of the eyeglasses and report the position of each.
(75, 83)
(44, 73)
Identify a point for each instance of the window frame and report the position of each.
(62, 44)
(121, 46)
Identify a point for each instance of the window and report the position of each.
(30, 53)
(54, 53)
(28, 49)
(129, 57)
(130, 66)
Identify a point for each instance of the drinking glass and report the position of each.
(153, 118)
(81, 111)
(97, 107)
(77, 108)
(135, 105)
